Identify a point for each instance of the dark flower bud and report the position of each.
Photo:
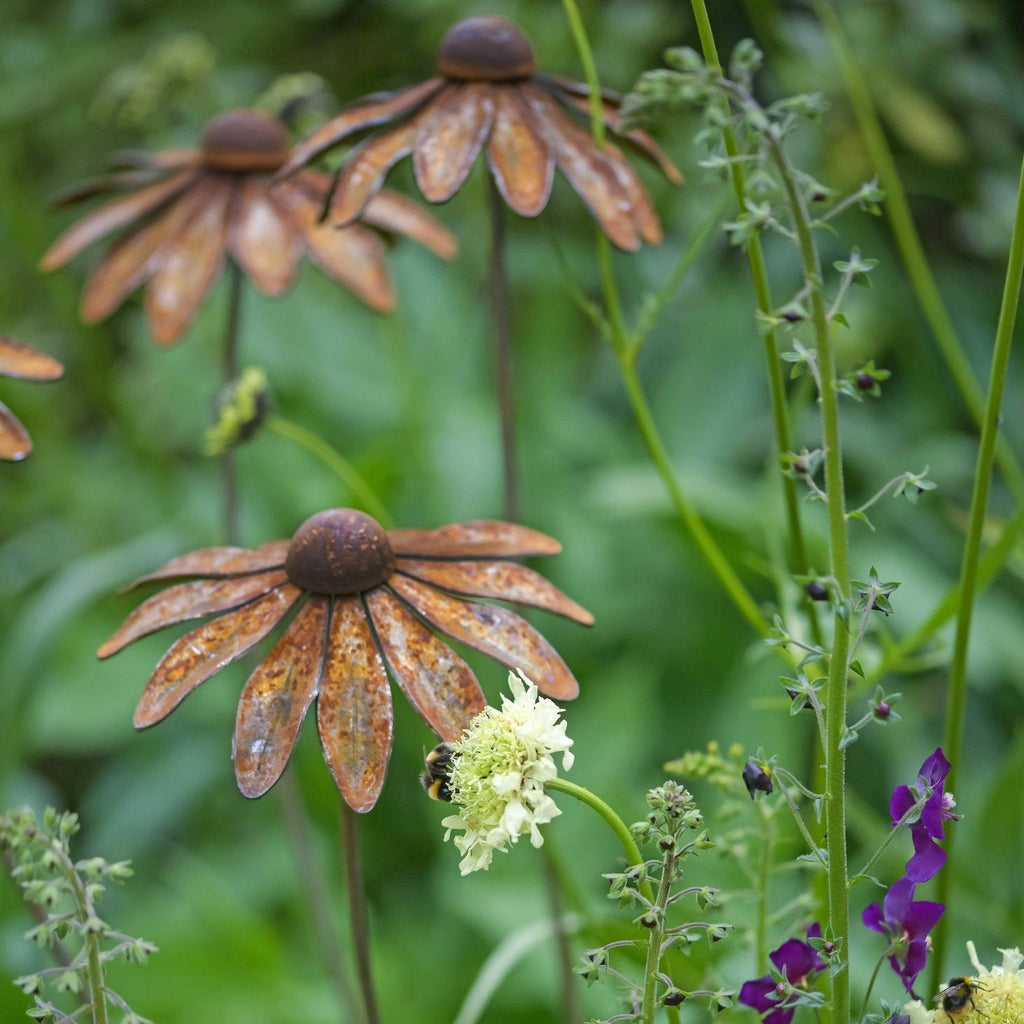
(816, 590)
(673, 997)
(866, 381)
(756, 778)
(882, 710)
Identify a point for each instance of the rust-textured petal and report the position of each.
(451, 133)
(505, 581)
(189, 263)
(116, 181)
(220, 562)
(390, 211)
(477, 538)
(131, 259)
(435, 680)
(494, 631)
(207, 649)
(22, 361)
(374, 110)
(589, 171)
(263, 238)
(353, 710)
(353, 255)
(109, 218)
(577, 95)
(162, 159)
(520, 159)
(365, 170)
(189, 601)
(15, 443)
(275, 699)
(644, 217)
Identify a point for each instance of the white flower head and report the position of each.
(499, 769)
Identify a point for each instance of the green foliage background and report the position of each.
(115, 486)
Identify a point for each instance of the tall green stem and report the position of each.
(956, 702)
(229, 371)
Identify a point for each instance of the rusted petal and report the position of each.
(435, 680)
(219, 562)
(520, 159)
(373, 110)
(189, 263)
(275, 699)
(506, 581)
(494, 631)
(207, 649)
(189, 601)
(481, 538)
(451, 132)
(589, 171)
(109, 218)
(353, 255)
(22, 361)
(353, 711)
(390, 211)
(366, 168)
(116, 181)
(131, 259)
(263, 239)
(644, 217)
(162, 159)
(576, 94)
(15, 443)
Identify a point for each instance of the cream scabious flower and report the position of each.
(996, 994)
(499, 769)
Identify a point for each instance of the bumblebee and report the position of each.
(958, 995)
(437, 773)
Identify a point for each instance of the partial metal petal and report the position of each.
(477, 538)
(15, 443)
(452, 130)
(396, 213)
(435, 680)
(353, 710)
(220, 562)
(275, 699)
(494, 631)
(206, 650)
(22, 361)
(189, 601)
(520, 159)
(189, 264)
(263, 238)
(374, 110)
(113, 215)
(505, 581)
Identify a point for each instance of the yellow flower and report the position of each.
(989, 996)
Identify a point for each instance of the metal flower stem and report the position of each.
(229, 371)
(497, 292)
(956, 700)
(359, 920)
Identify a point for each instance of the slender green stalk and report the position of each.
(336, 462)
(359, 920)
(560, 934)
(764, 877)
(229, 371)
(586, 55)
(956, 701)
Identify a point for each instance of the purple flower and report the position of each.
(907, 925)
(794, 960)
(936, 807)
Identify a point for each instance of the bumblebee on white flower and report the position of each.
(498, 772)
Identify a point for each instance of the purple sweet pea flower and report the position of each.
(938, 807)
(794, 960)
(907, 925)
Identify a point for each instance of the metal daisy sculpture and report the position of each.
(364, 602)
(20, 361)
(489, 97)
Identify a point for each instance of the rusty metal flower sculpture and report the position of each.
(364, 600)
(21, 361)
(488, 95)
(187, 209)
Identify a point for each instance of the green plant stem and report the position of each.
(336, 462)
(617, 825)
(359, 920)
(90, 937)
(956, 701)
(497, 293)
(229, 371)
(654, 940)
(586, 55)
(764, 876)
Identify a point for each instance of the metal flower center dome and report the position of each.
(340, 551)
(245, 140)
(485, 49)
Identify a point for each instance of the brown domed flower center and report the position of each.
(340, 551)
(245, 140)
(485, 49)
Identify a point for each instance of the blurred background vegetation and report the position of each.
(116, 485)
